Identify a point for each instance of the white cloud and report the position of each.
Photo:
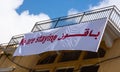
(105, 3)
(72, 11)
(102, 3)
(11, 23)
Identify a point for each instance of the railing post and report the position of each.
(82, 17)
(111, 13)
(35, 26)
(57, 22)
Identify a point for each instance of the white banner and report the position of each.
(83, 36)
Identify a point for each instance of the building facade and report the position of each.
(107, 59)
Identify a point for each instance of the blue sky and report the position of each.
(55, 8)
(19, 16)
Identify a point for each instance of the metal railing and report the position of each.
(111, 12)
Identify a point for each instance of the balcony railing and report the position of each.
(110, 12)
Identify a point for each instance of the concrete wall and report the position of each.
(26, 61)
(112, 65)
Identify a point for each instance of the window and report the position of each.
(48, 59)
(41, 71)
(1, 56)
(89, 69)
(101, 52)
(68, 56)
(65, 70)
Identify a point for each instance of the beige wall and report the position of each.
(26, 61)
(114, 64)
(30, 61)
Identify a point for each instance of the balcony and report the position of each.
(111, 33)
